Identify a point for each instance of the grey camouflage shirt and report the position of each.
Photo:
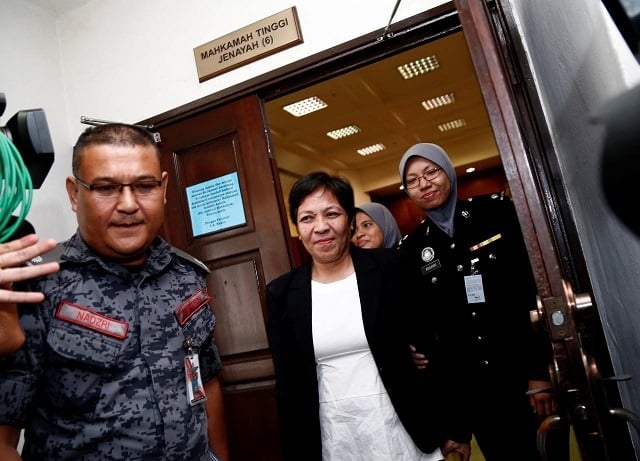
(102, 376)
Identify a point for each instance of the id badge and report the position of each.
(195, 389)
(475, 291)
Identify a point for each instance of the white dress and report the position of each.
(357, 419)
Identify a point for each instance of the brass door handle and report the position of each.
(551, 423)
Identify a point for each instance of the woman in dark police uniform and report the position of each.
(472, 271)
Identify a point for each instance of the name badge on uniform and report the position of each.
(195, 389)
(188, 308)
(433, 265)
(475, 290)
(87, 318)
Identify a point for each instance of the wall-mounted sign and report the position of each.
(248, 44)
(215, 205)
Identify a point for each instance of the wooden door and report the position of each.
(224, 208)
(585, 401)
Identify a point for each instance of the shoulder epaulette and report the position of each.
(188, 257)
(52, 256)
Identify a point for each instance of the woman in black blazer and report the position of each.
(346, 385)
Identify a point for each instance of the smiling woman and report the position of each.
(375, 227)
(469, 260)
(339, 351)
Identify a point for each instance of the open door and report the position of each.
(581, 371)
(223, 208)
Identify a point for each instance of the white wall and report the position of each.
(129, 60)
(31, 78)
(126, 61)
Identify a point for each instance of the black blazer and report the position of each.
(381, 278)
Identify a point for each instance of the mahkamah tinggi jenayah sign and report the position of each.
(248, 44)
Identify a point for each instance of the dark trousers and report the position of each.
(505, 426)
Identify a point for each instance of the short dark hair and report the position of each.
(115, 134)
(304, 186)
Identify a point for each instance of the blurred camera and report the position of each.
(29, 132)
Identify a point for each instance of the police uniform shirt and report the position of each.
(102, 374)
(476, 290)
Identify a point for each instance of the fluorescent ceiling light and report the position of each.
(452, 125)
(371, 149)
(419, 67)
(306, 106)
(439, 101)
(470, 169)
(343, 132)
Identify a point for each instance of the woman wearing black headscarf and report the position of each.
(472, 270)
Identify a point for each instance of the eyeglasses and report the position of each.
(427, 175)
(144, 187)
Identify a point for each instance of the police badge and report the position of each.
(427, 254)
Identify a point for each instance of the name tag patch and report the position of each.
(87, 318)
(193, 304)
(430, 267)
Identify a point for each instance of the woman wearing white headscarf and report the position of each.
(375, 227)
(472, 267)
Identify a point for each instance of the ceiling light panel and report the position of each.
(371, 149)
(419, 67)
(305, 106)
(439, 101)
(452, 125)
(343, 132)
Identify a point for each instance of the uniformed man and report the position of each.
(114, 352)
(475, 289)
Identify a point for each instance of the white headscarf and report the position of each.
(444, 214)
(385, 220)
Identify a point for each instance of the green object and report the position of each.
(16, 188)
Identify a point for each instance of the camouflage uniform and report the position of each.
(111, 386)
